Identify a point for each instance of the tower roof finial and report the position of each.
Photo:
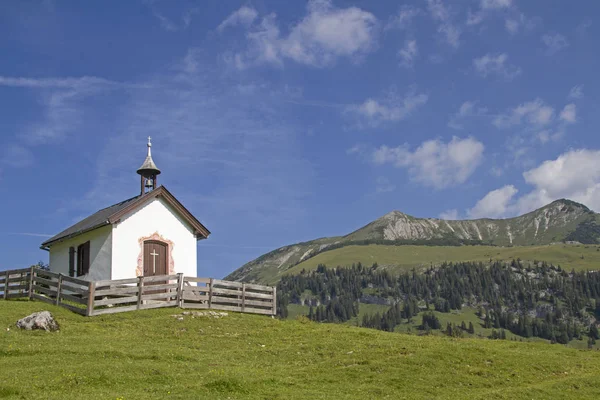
(148, 168)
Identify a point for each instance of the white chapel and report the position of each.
(149, 234)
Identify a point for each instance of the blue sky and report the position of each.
(278, 122)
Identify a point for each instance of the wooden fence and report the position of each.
(112, 296)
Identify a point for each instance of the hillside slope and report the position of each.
(558, 221)
(405, 258)
(151, 355)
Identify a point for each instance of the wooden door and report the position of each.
(155, 263)
(155, 258)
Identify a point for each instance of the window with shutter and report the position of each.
(71, 261)
(83, 258)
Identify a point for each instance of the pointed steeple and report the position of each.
(148, 171)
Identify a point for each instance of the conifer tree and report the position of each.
(594, 332)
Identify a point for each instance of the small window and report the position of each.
(83, 259)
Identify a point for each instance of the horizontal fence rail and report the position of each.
(91, 298)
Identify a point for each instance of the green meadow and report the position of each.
(151, 355)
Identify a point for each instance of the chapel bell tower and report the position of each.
(148, 172)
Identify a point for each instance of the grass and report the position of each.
(401, 258)
(150, 355)
(294, 310)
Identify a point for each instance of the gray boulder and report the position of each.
(39, 320)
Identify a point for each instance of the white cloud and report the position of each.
(569, 113)
(391, 108)
(574, 175)
(356, 149)
(546, 136)
(56, 83)
(442, 15)
(576, 92)
(514, 20)
(519, 21)
(435, 163)
(496, 64)
(538, 123)
(511, 25)
(466, 109)
(475, 18)
(169, 24)
(65, 103)
(383, 185)
(265, 45)
(495, 4)
(451, 33)
(325, 34)
(583, 27)
(449, 214)
(497, 171)
(244, 16)
(408, 53)
(404, 18)
(438, 10)
(535, 113)
(495, 204)
(554, 43)
(60, 99)
(517, 148)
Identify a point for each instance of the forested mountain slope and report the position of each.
(541, 301)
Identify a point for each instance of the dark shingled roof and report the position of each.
(113, 214)
(94, 221)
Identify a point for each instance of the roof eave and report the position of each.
(47, 244)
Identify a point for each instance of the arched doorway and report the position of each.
(155, 258)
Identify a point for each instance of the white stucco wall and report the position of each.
(154, 217)
(100, 253)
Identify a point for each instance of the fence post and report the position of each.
(6, 285)
(31, 280)
(210, 293)
(274, 300)
(91, 297)
(58, 287)
(140, 290)
(243, 297)
(180, 290)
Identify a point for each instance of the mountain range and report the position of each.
(560, 221)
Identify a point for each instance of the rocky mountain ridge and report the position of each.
(561, 220)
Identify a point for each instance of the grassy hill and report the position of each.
(151, 355)
(402, 258)
(560, 221)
